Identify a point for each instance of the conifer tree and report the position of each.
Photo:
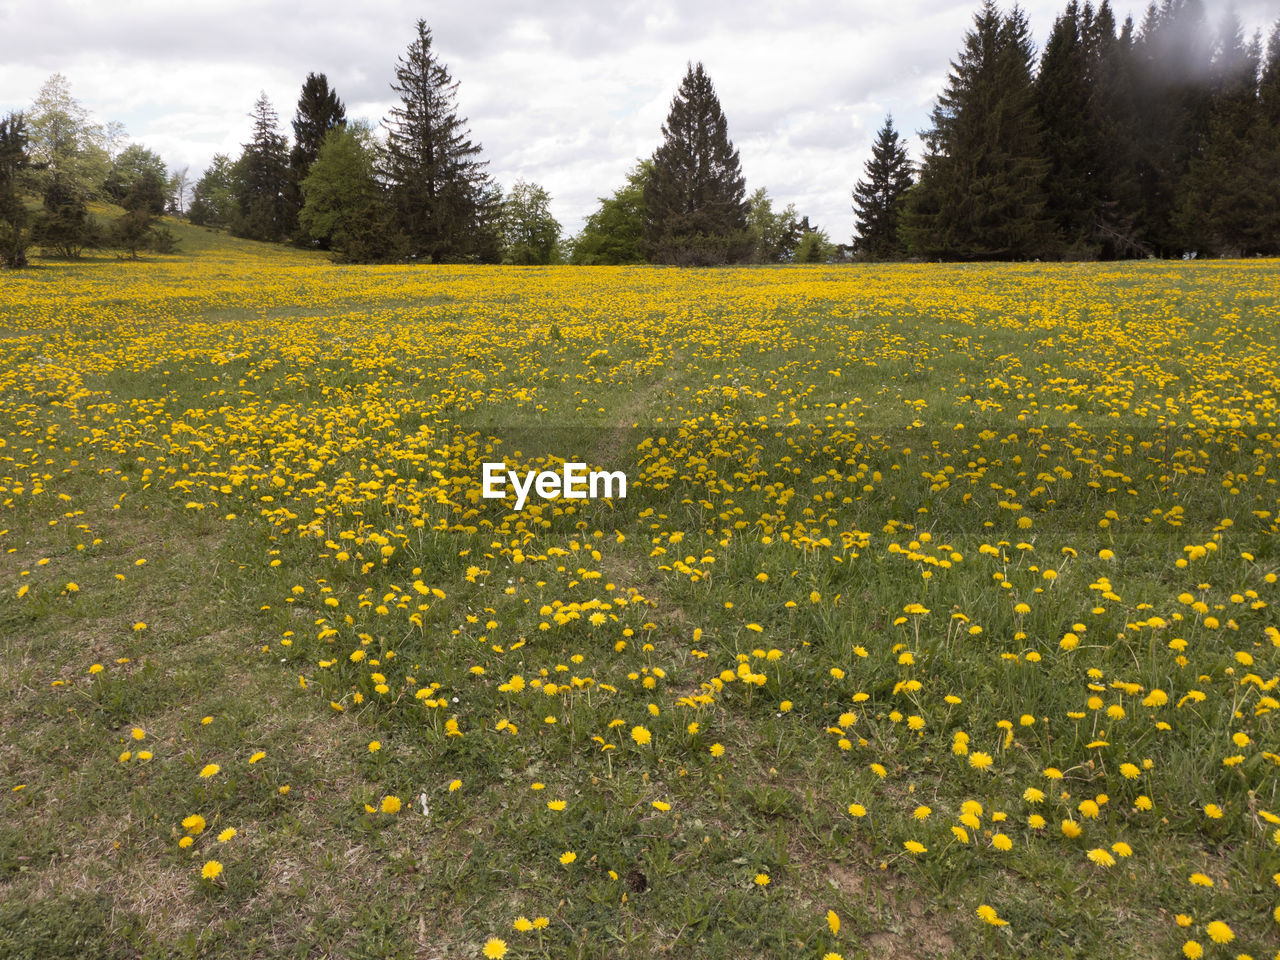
(1218, 201)
(262, 180)
(15, 172)
(444, 202)
(877, 199)
(319, 111)
(1264, 147)
(981, 191)
(695, 210)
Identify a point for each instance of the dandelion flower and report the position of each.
(1101, 857)
(193, 824)
(1192, 950)
(523, 924)
(226, 834)
(641, 736)
(210, 770)
(987, 914)
(495, 948)
(833, 922)
(762, 880)
(980, 761)
(857, 810)
(1200, 880)
(915, 846)
(568, 857)
(391, 804)
(211, 870)
(1219, 932)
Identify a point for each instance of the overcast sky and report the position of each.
(568, 96)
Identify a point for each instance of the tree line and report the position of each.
(1115, 141)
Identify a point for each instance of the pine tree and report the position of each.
(1171, 58)
(443, 200)
(1218, 198)
(694, 203)
(981, 191)
(1264, 149)
(1062, 99)
(262, 180)
(877, 199)
(319, 111)
(15, 172)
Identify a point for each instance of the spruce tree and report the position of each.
(1264, 150)
(15, 173)
(319, 111)
(981, 190)
(1062, 100)
(877, 199)
(1218, 198)
(695, 210)
(444, 202)
(262, 180)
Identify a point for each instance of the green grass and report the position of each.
(789, 427)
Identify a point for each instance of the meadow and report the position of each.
(938, 618)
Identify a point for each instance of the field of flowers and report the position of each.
(938, 618)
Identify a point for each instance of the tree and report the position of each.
(137, 229)
(529, 231)
(127, 169)
(344, 207)
(773, 236)
(1218, 201)
(66, 146)
(694, 204)
(981, 191)
(64, 227)
(814, 247)
(444, 202)
(261, 180)
(180, 183)
(213, 199)
(15, 181)
(877, 199)
(612, 235)
(319, 111)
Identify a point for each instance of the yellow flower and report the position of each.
(186, 842)
(1071, 829)
(980, 761)
(1192, 950)
(495, 948)
(833, 922)
(921, 813)
(988, 914)
(1200, 880)
(374, 746)
(455, 786)
(257, 756)
(717, 750)
(193, 824)
(211, 870)
(226, 834)
(915, 846)
(1219, 932)
(1101, 857)
(660, 806)
(762, 880)
(1001, 842)
(210, 770)
(391, 804)
(857, 810)
(523, 924)
(556, 805)
(641, 736)
(568, 857)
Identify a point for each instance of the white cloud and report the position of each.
(568, 96)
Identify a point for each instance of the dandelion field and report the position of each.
(938, 619)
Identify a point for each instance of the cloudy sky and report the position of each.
(568, 96)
